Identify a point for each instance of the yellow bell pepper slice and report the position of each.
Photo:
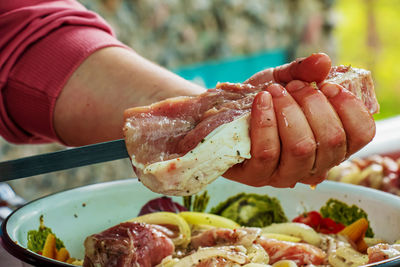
(201, 218)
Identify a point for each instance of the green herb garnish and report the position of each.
(198, 204)
(187, 202)
(251, 210)
(37, 238)
(345, 214)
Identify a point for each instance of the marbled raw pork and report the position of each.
(128, 244)
(179, 145)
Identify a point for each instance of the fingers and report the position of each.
(265, 145)
(262, 77)
(326, 126)
(358, 123)
(331, 117)
(297, 140)
(314, 68)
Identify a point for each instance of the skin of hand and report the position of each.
(285, 128)
(298, 132)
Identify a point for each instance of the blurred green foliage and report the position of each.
(368, 36)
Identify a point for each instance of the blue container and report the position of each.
(236, 69)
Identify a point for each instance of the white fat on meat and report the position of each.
(224, 147)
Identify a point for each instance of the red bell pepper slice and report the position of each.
(319, 224)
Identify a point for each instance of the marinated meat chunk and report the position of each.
(223, 236)
(383, 251)
(127, 244)
(301, 253)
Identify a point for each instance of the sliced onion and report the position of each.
(257, 254)
(347, 256)
(300, 230)
(284, 263)
(232, 253)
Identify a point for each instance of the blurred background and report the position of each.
(228, 40)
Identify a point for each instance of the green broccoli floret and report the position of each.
(36, 239)
(251, 210)
(342, 213)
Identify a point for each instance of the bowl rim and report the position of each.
(30, 257)
(24, 254)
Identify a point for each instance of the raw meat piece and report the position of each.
(301, 253)
(382, 252)
(162, 139)
(277, 250)
(225, 237)
(179, 145)
(127, 244)
(357, 81)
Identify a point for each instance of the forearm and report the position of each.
(91, 105)
(42, 44)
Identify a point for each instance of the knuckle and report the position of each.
(338, 139)
(304, 148)
(268, 154)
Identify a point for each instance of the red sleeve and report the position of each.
(41, 45)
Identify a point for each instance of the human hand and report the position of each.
(298, 133)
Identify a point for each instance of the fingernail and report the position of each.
(276, 90)
(330, 90)
(264, 101)
(294, 86)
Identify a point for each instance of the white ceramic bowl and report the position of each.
(386, 140)
(77, 213)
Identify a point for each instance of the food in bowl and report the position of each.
(44, 242)
(75, 214)
(376, 171)
(187, 238)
